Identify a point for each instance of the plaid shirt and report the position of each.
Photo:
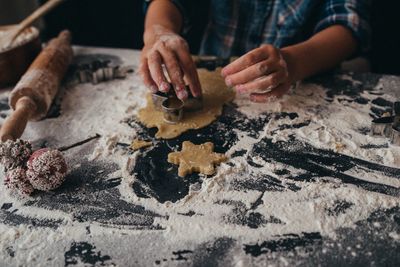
(238, 26)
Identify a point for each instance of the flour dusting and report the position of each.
(263, 192)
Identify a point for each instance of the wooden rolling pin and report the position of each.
(32, 96)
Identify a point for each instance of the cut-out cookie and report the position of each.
(138, 144)
(196, 158)
(215, 95)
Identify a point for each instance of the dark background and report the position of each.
(119, 23)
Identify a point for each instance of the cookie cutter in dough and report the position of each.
(192, 103)
(172, 108)
(171, 115)
(158, 98)
(388, 126)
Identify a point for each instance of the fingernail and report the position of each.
(239, 89)
(254, 99)
(257, 99)
(153, 89)
(164, 87)
(197, 94)
(182, 94)
(228, 82)
(272, 99)
(223, 72)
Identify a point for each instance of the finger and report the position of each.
(261, 84)
(245, 61)
(155, 67)
(270, 96)
(253, 72)
(190, 72)
(147, 80)
(175, 72)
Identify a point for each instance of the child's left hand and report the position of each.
(262, 72)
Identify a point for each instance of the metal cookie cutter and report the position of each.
(173, 110)
(192, 103)
(388, 126)
(120, 72)
(84, 73)
(158, 98)
(395, 134)
(382, 126)
(100, 71)
(108, 71)
(97, 71)
(396, 109)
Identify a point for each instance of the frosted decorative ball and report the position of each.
(16, 179)
(46, 169)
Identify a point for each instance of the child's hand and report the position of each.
(262, 72)
(168, 48)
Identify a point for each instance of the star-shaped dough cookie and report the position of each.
(196, 158)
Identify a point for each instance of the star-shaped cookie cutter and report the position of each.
(388, 126)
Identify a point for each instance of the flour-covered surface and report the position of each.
(305, 183)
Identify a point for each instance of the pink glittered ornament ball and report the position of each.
(46, 169)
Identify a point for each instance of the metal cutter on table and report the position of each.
(388, 126)
(99, 71)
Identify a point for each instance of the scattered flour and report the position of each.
(104, 108)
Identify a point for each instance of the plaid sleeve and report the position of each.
(353, 14)
(183, 8)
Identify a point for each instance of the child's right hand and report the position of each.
(263, 73)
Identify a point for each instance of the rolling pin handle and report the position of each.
(65, 35)
(15, 124)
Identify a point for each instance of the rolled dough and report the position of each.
(196, 158)
(215, 95)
